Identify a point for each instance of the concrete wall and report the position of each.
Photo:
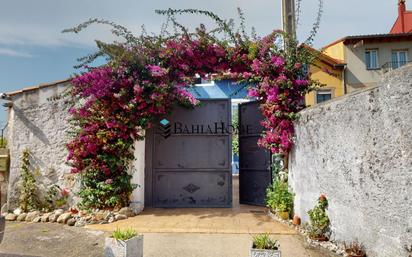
(40, 124)
(38, 121)
(357, 150)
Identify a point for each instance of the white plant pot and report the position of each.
(264, 253)
(118, 248)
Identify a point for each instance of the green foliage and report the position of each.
(98, 192)
(28, 189)
(319, 220)
(55, 198)
(235, 134)
(265, 242)
(3, 142)
(124, 235)
(278, 197)
(277, 165)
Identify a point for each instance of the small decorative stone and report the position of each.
(59, 212)
(126, 211)
(45, 217)
(83, 213)
(71, 222)
(21, 217)
(18, 211)
(111, 219)
(99, 215)
(120, 217)
(88, 217)
(53, 217)
(11, 217)
(37, 219)
(32, 215)
(64, 218)
(80, 223)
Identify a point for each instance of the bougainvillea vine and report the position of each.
(146, 76)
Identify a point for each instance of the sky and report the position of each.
(33, 50)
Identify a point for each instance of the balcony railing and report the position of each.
(393, 65)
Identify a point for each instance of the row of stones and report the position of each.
(71, 218)
(333, 246)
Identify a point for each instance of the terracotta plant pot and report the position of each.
(284, 215)
(296, 220)
(356, 255)
(350, 254)
(319, 238)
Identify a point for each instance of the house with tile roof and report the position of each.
(403, 23)
(367, 57)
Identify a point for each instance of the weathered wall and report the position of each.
(357, 150)
(38, 121)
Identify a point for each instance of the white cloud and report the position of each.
(40, 22)
(14, 53)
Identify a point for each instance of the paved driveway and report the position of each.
(55, 240)
(241, 220)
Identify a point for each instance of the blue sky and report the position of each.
(33, 51)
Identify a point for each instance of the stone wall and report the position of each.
(38, 121)
(357, 150)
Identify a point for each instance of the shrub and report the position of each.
(265, 242)
(28, 189)
(55, 198)
(279, 198)
(3, 142)
(124, 235)
(319, 220)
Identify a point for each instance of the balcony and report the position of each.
(389, 66)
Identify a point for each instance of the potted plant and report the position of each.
(124, 243)
(355, 249)
(264, 246)
(282, 211)
(279, 199)
(319, 220)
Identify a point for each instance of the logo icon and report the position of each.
(165, 128)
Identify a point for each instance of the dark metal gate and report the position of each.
(254, 162)
(189, 158)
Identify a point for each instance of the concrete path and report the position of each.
(220, 245)
(56, 240)
(241, 220)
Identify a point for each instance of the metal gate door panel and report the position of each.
(252, 155)
(209, 112)
(193, 189)
(195, 152)
(254, 162)
(192, 166)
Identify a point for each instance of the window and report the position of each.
(371, 59)
(399, 58)
(323, 95)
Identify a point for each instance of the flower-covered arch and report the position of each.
(146, 76)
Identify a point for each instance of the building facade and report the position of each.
(330, 73)
(368, 57)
